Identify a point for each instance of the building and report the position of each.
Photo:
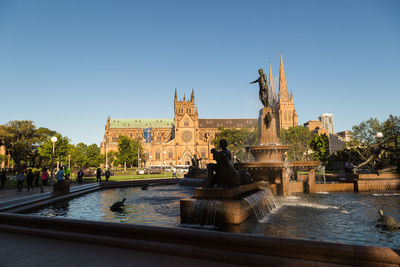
(316, 127)
(327, 122)
(287, 112)
(168, 142)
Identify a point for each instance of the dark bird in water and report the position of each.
(388, 222)
(145, 187)
(117, 206)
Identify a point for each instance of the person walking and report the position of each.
(29, 179)
(60, 175)
(37, 177)
(98, 175)
(107, 175)
(45, 176)
(3, 178)
(67, 173)
(20, 180)
(80, 175)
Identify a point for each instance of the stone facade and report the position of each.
(287, 113)
(316, 127)
(172, 141)
(175, 141)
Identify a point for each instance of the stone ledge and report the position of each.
(224, 193)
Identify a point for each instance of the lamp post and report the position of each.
(53, 140)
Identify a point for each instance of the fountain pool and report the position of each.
(335, 217)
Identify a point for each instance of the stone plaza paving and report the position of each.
(24, 250)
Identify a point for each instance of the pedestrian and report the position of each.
(98, 175)
(20, 180)
(29, 179)
(37, 178)
(67, 173)
(45, 176)
(107, 174)
(3, 178)
(60, 175)
(80, 175)
(174, 173)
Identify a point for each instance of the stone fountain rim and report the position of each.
(262, 164)
(269, 146)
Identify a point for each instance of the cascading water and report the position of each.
(204, 212)
(262, 202)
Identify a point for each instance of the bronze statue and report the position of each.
(223, 174)
(381, 159)
(194, 169)
(264, 93)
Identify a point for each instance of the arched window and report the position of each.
(158, 155)
(170, 154)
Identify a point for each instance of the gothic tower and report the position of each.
(186, 125)
(287, 112)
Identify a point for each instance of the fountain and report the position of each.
(271, 165)
(229, 197)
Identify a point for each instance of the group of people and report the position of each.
(107, 174)
(37, 179)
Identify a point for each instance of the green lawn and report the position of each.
(13, 184)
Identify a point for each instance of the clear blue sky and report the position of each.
(66, 65)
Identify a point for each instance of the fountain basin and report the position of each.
(223, 193)
(268, 152)
(226, 211)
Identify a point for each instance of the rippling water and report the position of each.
(159, 205)
(335, 217)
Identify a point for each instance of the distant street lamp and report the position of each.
(53, 140)
(379, 134)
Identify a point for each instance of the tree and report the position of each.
(238, 140)
(365, 133)
(19, 139)
(128, 150)
(62, 148)
(391, 132)
(365, 144)
(320, 145)
(299, 138)
(93, 155)
(78, 155)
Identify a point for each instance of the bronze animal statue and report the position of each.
(387, 222)
(117, 206)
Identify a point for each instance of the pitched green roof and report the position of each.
(141, 123)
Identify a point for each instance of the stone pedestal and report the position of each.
(268, 126)
(61, 188)
(311, 181)
(218, 206)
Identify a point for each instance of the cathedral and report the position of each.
(173, 142)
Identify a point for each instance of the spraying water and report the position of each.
(204, 212)
(262, 202)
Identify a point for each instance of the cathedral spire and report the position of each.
(192, 96)
(283, 93)
(184, 97)
(271, 84)
(176, 96)
(291, 96)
